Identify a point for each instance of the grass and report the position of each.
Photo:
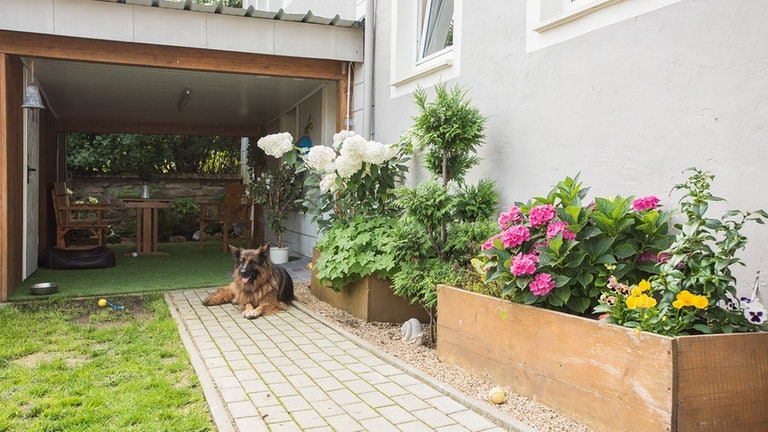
(184, 267)
(71, 365)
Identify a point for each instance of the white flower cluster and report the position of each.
(351, 154)
(276, 145)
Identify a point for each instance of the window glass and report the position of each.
(435, 26)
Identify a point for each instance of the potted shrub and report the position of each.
(659, 369)
(278, 189)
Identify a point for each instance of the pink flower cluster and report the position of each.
(541, 284)
(554, 228)
(649, 202)
(516, 231)
(540, 215)
(524, 264)
(511, 217)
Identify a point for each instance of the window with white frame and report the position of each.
(435, 27)
(425, 42)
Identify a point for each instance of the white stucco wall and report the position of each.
(629, 105)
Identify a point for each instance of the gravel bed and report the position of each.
(387, 338)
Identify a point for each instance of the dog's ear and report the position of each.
(264, 248)
(235, 252)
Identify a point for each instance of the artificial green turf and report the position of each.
(73, 366)
(184, 267)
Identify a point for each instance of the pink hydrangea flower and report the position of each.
(541, 284)
(524, 264)
(515, 236)
(649, 202)
(489, 243)
(555, 228)
(510, 217)
(540, 215)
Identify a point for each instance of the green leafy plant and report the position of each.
(695, 290)
(278, 189)
(557, 252)
(353, 250)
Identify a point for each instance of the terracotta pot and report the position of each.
(605, 375)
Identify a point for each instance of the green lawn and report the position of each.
(184, 267)
(69, 365)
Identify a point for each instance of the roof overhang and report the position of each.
(123, 67)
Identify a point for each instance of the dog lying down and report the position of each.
(258, 286)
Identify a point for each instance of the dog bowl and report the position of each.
(44, 288)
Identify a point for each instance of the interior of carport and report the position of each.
(104, 86)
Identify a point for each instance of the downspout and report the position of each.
(368, 58)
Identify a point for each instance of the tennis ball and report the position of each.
(496, 395)
(134, 254)
(102, 302)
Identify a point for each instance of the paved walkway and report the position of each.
(295, 371)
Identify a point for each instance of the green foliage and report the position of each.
(181, 215)
(417, 281)
(450, 129)
(149, 155)
(554, 251)
(278, 190)
(355, 249)
(698, 265)
(475, 203)
(445, 220)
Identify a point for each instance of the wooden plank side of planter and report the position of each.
(602, 375)
(723, 382)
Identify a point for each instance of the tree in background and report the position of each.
(130, 154)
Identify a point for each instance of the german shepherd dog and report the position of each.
(258, 286)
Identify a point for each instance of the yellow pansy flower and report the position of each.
(700, 302)
(644, 285)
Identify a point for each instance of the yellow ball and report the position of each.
(102, 302)
(496, 395)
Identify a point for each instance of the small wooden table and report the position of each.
(146, 222)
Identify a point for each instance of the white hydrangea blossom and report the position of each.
(376, 153)
(276, 145)
(355, 146)
(341, 136)
(328, 183)
(347, 164)
(390, 152)
(321, 158)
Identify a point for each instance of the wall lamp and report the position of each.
(183, 98)
(32, 98)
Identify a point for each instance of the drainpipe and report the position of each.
(368, 58)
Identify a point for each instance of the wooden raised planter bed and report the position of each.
(370, 299)
(604, 375)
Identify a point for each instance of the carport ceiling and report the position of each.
(130, 95)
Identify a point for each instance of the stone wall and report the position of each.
(110, 190)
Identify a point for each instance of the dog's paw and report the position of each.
(251, 313)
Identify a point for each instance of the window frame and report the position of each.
(407, 68)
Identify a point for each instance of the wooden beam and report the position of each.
(138, 54)
(149, 128)
(11, 174)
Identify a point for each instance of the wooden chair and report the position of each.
(230, 211)
(77, 217)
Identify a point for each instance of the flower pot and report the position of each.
(605, 375)
(278, 255)
(370, 299)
